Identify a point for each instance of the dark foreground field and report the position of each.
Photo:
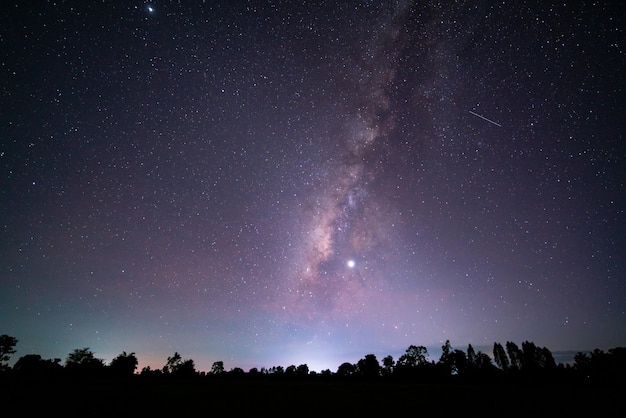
(230, 397)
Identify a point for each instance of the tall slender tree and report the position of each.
(500, 357)
(515, 355)
(446, 360)
(471, 356)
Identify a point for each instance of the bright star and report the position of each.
(151, 9)
(351, 263)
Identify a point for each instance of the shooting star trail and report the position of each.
(488, 120)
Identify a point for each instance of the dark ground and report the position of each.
(156, 398)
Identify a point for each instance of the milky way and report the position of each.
(344, 220)
(276, 183)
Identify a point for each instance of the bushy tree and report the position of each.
(413, 357)
(413, 363)
(600, 366)
(34, 365)
(147, 371)
(290, 370)
(388, 366)
(84, 362)
(368, 366)
(124, 364)
(346, 369)
(276, 370)
(217, 368)
(237, 371)
(172, 363)
(581, 361)
(176, 366)
(302, 370)
(80, 357)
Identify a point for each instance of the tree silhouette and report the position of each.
(446, 361)
(346, 369)
(34, 365)
(237, 371)
(388, 366)
(500, 357)
(368, 366)
(458, 362)
(412, 362)
(516, 356)
(454, 365)
(413, 357)
(326, 373)
(7, 347)
(81, 356)
(276, 370)
(600, 366)
(83, 361)
(471, 356)
(172, 363)
(582, 361)
(535, 358)
(548, 359)
(176, 366)
(483, 362)
(147, 371)
(302, 370)
(290, 370)
(217, 368)
(124, 364)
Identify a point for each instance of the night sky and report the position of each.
(276, 183)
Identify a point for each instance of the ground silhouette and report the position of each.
(520, 382)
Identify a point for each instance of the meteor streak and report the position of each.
(488, 120)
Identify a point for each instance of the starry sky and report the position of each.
(275, 183)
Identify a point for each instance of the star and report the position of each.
(361, 163)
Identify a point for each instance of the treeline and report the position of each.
(508, 362)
